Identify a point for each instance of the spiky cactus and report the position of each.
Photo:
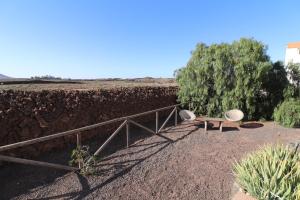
(271, 173)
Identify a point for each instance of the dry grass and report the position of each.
(29, 85)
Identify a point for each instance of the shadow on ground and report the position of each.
(252, 125)
(180, 163)
(18, 179)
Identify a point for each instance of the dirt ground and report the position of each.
(182, 163)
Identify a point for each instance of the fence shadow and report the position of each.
(17, 179)
(124, 167)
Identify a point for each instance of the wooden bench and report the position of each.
(209, 119)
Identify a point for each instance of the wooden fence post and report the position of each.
(156, 122)
(176, 116)
(78, 137)
(127, 133)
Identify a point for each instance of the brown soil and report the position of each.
(182, 163)
(242, 196)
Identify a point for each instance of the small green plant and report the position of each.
(288, 113)
(272, 173)
(81, 156)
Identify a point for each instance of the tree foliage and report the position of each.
(46, 77)
(274, 84)
(224, 76)
(293, 90)
(294, 73)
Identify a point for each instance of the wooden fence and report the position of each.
(126, 121)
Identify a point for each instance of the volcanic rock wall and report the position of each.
(27, 115)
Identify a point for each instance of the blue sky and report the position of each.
(132, 38)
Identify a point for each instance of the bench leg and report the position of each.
(221, 126)
(205, 126)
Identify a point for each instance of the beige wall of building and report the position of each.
(292, 53)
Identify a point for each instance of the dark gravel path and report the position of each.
(182, 163)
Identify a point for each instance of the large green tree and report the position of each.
(224, 76)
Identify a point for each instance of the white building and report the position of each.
(292, 53)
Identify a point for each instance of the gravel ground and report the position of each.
(182, 163)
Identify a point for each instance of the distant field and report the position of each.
(38, 85)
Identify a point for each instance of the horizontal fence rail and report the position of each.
(37, 163)
(127, 120)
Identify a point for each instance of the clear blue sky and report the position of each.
(132, 38)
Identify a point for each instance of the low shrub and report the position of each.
(270, 173)
(288, 113)
(82, 157)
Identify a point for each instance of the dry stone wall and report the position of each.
(27, 115)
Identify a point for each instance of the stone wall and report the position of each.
(27, 115)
